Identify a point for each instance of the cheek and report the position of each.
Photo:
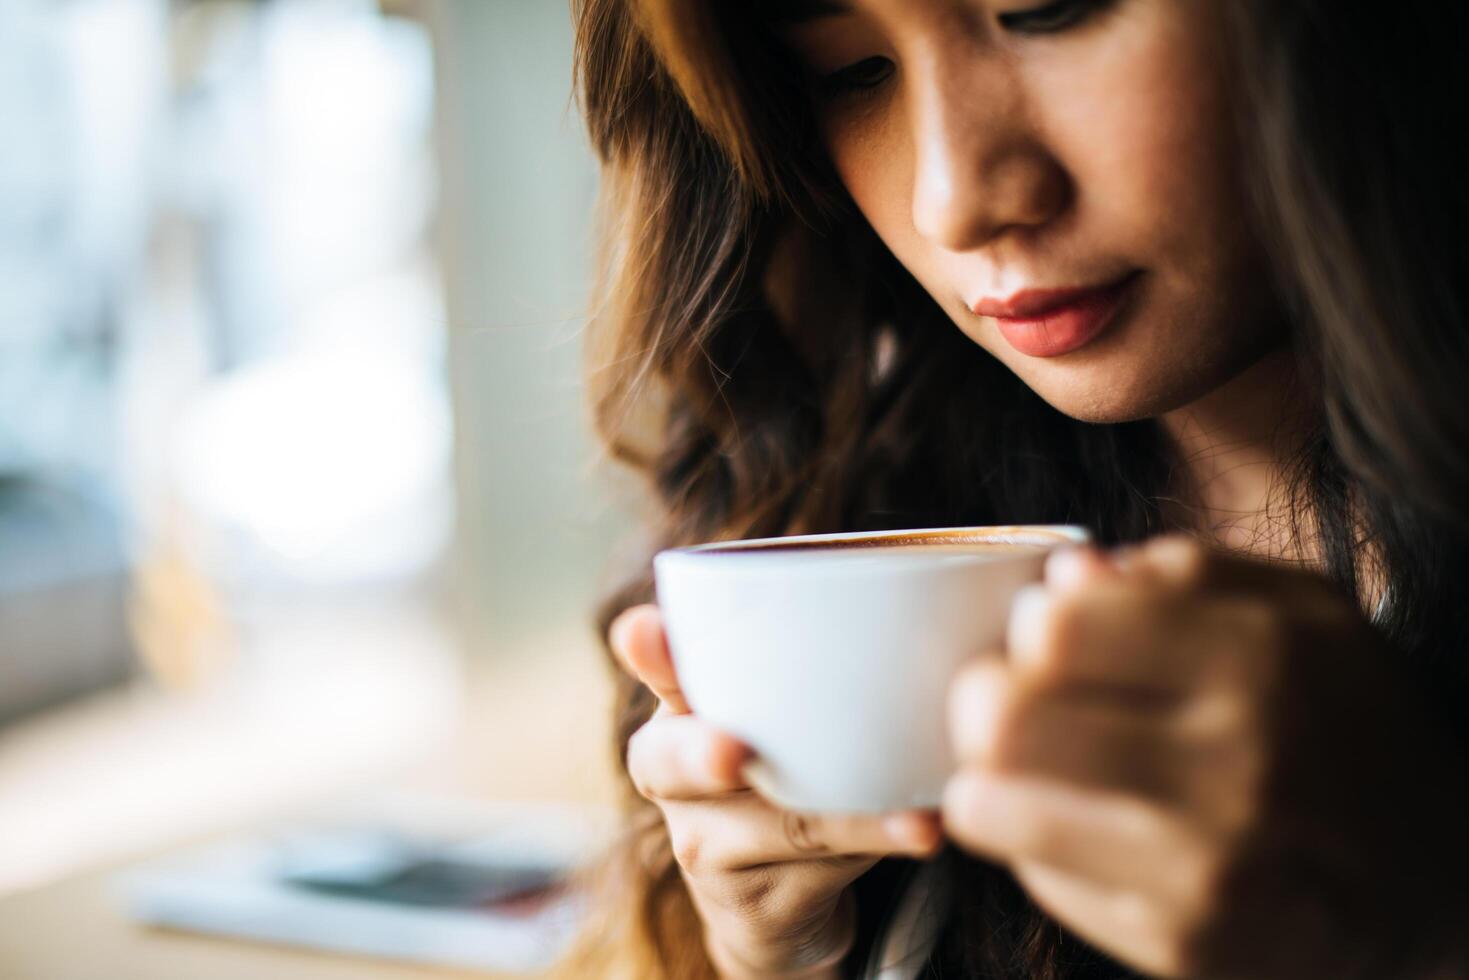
(1140, 122)
(1143, 127)
(874, 159)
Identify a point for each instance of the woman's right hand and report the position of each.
(771, 885)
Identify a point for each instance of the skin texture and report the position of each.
(768, 884)
(1202, 764)
(991, 161)
(1209, 766)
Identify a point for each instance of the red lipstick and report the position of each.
(1052, 322)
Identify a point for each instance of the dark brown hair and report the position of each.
(772, 369)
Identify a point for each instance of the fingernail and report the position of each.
(1028, 612)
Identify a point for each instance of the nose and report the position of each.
(980, 168)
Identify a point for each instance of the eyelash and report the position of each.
(858, 79)
(1050, 18)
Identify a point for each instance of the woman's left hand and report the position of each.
(1209, 766)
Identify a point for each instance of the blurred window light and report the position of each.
(225, 434)
(221, 317)
(80, 86)
(78, 83)
(319, 452)
(326, 466)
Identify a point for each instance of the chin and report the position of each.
(1109, 409)
(1111, 393)
(1141, 371)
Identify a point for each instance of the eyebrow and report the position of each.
(787, 13)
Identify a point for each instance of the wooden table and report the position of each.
(536, 728)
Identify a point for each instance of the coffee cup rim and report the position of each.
(779, 548)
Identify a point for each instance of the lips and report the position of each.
(1053, 322)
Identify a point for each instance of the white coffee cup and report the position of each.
(830, 655)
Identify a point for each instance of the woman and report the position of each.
(1189, 272)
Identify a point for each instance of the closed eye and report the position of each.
(859, 76)
(1049, 18)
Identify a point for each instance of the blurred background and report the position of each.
(297, 497)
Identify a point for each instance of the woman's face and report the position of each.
(1060, 176)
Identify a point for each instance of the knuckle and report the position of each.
(1010, 726)
(644, 787)
(804, 834)
(1221, 720)
(642, 767)
(1266, 634)
(1064, 627)
(1189, 561)
(1234, 764)
(1242, 782)
(688, 847)
(1067, 622)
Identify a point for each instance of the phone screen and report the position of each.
(384, 868)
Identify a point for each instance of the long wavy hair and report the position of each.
(769, 367)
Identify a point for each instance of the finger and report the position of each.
(1184, 564)
(1115, 840)
(617, 634)
(679, 757)
(751, 833)
(1121, 923)
(1069, 569)
(789, 836)
(1127, 636)
(978, 695)
(636, 637)
(1079, 738)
